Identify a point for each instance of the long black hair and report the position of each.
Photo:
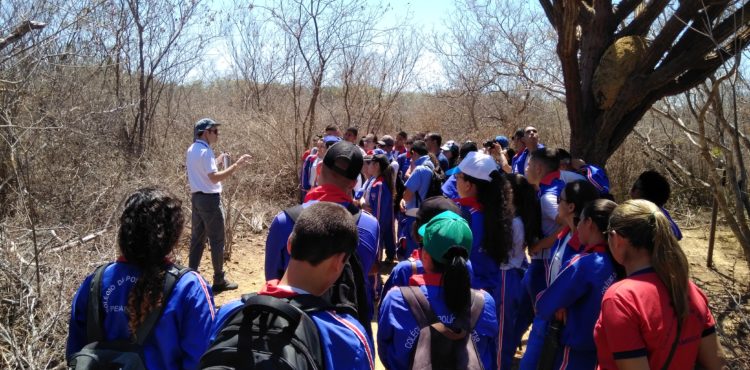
(598, 212)
(495, 197)
(456, 281)
(150, 226)
(579, 193)
(386, 172)
(526, 204)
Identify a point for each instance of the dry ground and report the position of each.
(727, 284)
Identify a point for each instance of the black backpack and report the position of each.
(436, 185)
(269, 333)
(119, 354)
(347, 295)
(440, 346)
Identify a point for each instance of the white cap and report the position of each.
(478, 166)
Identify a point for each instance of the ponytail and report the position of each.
(670, 263)
(456, 281)
(386, 172)
(646, 226)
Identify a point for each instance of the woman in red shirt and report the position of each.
(643, 315)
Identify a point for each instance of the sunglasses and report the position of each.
(609, 233)
(561, 199)
(214, 131)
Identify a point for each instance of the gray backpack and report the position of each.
(440, 346)
(119, 354)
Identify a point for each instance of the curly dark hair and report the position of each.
(496, 196)
(150, 226)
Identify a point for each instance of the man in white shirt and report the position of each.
(205, 179)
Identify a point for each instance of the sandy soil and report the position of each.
(727, 285)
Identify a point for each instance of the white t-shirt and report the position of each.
(199, 163)
(517, 255)
(548, 202)
(570, 176)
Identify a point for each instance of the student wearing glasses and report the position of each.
(655, 318)
(574, 297)
(205, 187)
(571, 201)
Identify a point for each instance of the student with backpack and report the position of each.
(142, 305)
(417, 188)
(339, 171)
(438, 321)
(288, 320)
(402, 272)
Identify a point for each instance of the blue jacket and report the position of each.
(449, 188)
(403, 164)
(381, 202)
(181, 334)
(419, 182)
(675, 229)
(277, 256)
(579, 289)
(345, 342)
(305, 176)
(398, 330)
(519, 163)
(486, 272)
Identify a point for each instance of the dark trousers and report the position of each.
(208, 222)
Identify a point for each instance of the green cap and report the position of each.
(443, 232)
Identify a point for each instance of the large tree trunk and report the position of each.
(679, 56)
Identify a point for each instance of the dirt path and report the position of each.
(727, 285)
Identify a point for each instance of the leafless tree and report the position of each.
(153, 44)
(374, 72)
(496, 49)
(710, 118)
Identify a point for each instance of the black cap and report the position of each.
(345, 159)
(419, 147)
(432, 207)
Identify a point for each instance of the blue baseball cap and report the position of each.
(203, 124)
(330, 140)
(502, 140)
(372, 153)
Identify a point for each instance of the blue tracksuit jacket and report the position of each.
(345, 342)
(181, 334)
(277, 256)
(579, 289)
(380, 201)
(398, 330)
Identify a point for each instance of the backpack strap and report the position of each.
(419, 306)
(294, 212)
(171, 276)
(477, 306)
(94, 313)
